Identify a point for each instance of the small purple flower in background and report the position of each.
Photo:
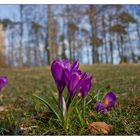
(100, 106)
(107, 103)
(3, 81)
(85, 86)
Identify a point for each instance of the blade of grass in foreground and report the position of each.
(60, 109)
(79, 116)
(69, 111)
(48, 105)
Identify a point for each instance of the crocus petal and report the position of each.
(100, 107)
(66, 76)
(57, 73)
(3, 81)
(109, 100)
(86, 86)
(82, 77)
(74, 66)
(79, 72)
(60, 86)
(74, 79)
(75, 83)
(65, 63)
(56, 69)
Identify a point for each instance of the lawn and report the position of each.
(22, 114)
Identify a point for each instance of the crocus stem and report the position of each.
(60, 101)
(83, 103)
(68, 103)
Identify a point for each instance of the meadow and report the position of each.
(22, 114)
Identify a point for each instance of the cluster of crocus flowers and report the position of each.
(68, 75)
(107, 103)
(3, 81)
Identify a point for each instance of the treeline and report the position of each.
(102, 34)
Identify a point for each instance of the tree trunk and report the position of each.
(63, 50)
(37, 51)
(110, 41)
(88, 55)
(111, 50)
(104, 36)
(70, 45)
(132, 51)
(2, 46)
(122, 50)
(118, 45)
(49, 48)
(21, 37)
(93, 28)
(138, 32)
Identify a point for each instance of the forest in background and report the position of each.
(91, 34)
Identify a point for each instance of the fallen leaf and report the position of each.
(99, 128)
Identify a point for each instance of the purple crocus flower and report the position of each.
(85, 86)
(3, 81)
(73, 81)
(57, 68)
(76, 79)
(107, 103)
(57, 73)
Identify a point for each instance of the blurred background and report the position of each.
(35, 35)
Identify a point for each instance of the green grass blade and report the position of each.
(69, 111)
(56, 101)
(79, 116)
(48, 105)
(60, 109)
(53, 96)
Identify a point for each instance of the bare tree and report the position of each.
(21, 37)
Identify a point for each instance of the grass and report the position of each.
(24, 115)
